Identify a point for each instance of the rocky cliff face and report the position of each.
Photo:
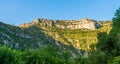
(66, 24)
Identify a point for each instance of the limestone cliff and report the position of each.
(66, 24)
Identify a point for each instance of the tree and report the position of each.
(98, 57)
(42, 56)
(116, 19)
(9, 56)
(115, 60)
(116, 24)
(115, 32)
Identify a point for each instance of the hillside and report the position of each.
(43, 32)
(80, 35)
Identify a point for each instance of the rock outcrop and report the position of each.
(66, 24)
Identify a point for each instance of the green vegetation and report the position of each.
(47, 55)
(108, 46)
(9, 56)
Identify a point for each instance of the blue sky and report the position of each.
(22, 11)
